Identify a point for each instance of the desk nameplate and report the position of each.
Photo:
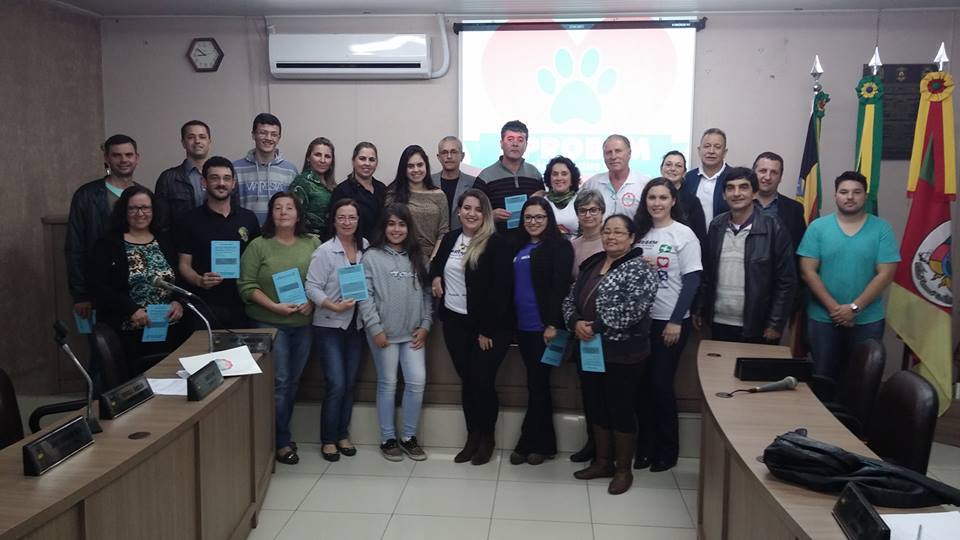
(54, 448)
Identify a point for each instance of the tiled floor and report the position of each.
(367, 497)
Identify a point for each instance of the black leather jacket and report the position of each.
(89, 219)
(770, 274)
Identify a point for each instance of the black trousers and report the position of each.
(610, 398)
(537, 434)
(659, 437)
(477, 370)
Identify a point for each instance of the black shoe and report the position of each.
(330, 456)
(536, 459)
(485, 449)
(469, 448)
(660, 466)
(641, 462)
(391, 450)
(516, 458)
(289, 457)
(585, 454)
(348, 451)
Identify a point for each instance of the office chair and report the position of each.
(856, 393)
(11, 425)
(901, 425)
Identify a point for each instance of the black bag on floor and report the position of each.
(798, 459)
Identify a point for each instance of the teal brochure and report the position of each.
(514, 205)
(353, 284)
(290, 287)
(85, 326)
(553, 355)
(225, 258)
(591, 355)
(157, 329)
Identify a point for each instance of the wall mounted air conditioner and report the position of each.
(349, 56)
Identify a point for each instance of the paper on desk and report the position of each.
(936, 526)
(168, 387)
(232, 362)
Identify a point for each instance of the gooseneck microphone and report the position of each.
(159, 282)
(60, 336)
(787, 383)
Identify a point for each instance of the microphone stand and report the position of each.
(61, 339)
(205, 321)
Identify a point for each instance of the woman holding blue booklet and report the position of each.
(608, 312)
(397, 315)
(542, 262)
(337, 325)
(283, 249)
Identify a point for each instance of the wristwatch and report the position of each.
(855, 308)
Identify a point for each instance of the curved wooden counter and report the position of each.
(202, 472)
(738, 497)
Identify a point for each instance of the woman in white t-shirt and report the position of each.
(673, 251)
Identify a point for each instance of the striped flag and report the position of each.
(869, 148)
(921, 297)
(808, 185)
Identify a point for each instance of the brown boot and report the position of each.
(602, 466)
(485, 448)
(623, 444)
(469, 448)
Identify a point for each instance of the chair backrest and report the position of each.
(110, 353)
(860, 383)
(11, 424)
(903, 421)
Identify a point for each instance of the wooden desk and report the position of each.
(738, 497)
(201, 473)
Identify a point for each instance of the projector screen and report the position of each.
(572, 86)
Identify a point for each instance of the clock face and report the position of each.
(205, 54)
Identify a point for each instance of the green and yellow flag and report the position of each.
(870, 136)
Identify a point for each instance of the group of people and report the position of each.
(614, 272)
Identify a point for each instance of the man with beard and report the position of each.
(847, 260)
(180, 188)
(707, 181)
(219, 219)
(451, 179)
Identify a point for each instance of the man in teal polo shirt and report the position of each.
(847, 259)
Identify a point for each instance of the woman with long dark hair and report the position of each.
(563, 182)
(366, 191)
(284, 245)
(542, 262)
(673, 250)
(413, 187)
(471, 276)
(315, 184)
(397, 316)
(672, 167)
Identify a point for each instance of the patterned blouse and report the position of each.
(146, 261)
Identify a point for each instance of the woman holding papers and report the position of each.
(123, 266)
(397, 315)
(563, 181)
(414, 188)
(673, 251)
(272, 269)
(335, 272)
(607, 311)
(541, 275)
(314, 186)
(471, 275)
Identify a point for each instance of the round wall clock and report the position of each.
(205, 54)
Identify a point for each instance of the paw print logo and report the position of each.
(576, 95)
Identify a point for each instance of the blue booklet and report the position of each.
(290, 287)
(514, 205)
(553, 355)
(225, 258)
(85, 326)
(591, 355)
(353, 284)
(157, 329)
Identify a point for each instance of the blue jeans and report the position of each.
(413, 364)
(291, 348)
(340, 352)
(831, 345)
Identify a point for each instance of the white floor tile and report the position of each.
(947, 476)
(644, 479)
(403, 527)
(557, 470)
(639, 506)
(633, 532)
(440, 464)
(442, 425)
(447, 497)
(370, 462)
(287, 491)
(269, 523)
(541, 501)
(687, 473)
(323, 525)
(944, 456)
(508, 529)
(690, 499)
(373, 494)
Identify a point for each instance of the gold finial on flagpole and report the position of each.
(816, 72)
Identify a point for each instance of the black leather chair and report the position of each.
(11, 424)
(854, 396)
(903, 420)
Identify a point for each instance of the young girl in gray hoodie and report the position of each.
(397, 316)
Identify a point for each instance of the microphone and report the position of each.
(60, 336)
(158, 282)
(787, 383)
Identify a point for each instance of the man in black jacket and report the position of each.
(180, 188)
(749, 276)
(769, 170)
